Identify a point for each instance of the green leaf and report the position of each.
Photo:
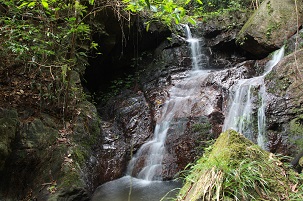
(94, 45)
(192, 21)
(187, 2)
(22, 5)
(44, 4)
(199, 1)
(177, 18)
(147, 26)
(31, 4)
(91, 2)
(147, 3)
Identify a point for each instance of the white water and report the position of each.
(148, 184)
(247, 93)
(182, 96)
(194, 47)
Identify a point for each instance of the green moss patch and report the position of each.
(236, 169)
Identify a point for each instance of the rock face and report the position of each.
(47, 160)
(219, 36)
(126, 125)
(273, 23)
(284, 113)
(8, 128)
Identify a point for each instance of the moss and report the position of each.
(281, 84)
(71, 179)
(296, 130)
(201, 127)
(236, 169)
(79, 154)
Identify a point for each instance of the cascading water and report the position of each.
(183, 94)
(194, 47)
(182, 97)
(245, 95)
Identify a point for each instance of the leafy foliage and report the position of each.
(172, 12)
(46, 39)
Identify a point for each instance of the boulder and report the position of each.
(234, 168)
(273, 23)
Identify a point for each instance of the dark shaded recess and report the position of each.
(120, 44)
(222, 48)
(17, 174)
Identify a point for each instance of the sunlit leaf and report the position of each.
(91, 2)
(31, 4)
(22, 5)
(192, 21)
(147, 26)
(44, 4)
(199, 1)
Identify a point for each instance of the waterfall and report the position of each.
(182, 96)
(245, 94)
(194, 47)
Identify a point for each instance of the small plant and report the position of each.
(201, 127)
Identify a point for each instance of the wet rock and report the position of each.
(262, 33)
(185, 141)
(219, 35)
(284, 100)
(126, 125)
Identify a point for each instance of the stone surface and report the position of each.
(48, 160)
(284, 88)
(274, 22)
(126, 125)
(8, 128)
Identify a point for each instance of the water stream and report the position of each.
(145, 182)
(246, 95)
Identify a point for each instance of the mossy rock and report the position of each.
(8, 127)
(273, 23)
(234, 168)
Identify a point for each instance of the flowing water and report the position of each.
(145, 183)
(246, 94)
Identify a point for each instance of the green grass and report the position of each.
(236, 169)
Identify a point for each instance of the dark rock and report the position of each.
(73, 194)
(284, 101)
(294, 43)
(127, 125)
(8, 128)
(262, 33)
(48, 159)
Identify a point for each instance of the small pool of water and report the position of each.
(132, 189)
